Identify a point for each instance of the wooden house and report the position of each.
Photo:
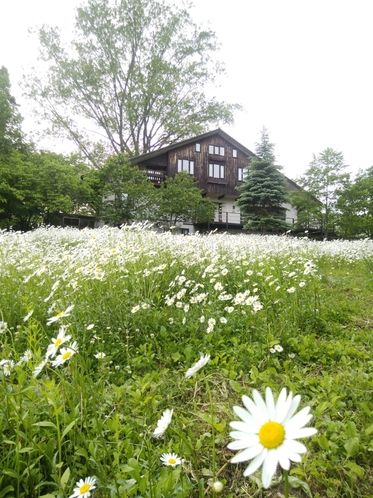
(217, 163)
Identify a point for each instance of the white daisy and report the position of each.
(279, 348)
(57, 341)
(163, 423)
(99, 356)
(84, 487)
(61, 314)
(171, 459)
(7, 366)
(268, 431)
(65, 354)
(28, 316)
(197, 366)
(39, 368)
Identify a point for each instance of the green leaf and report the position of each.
(45, 423)
(65, 477)
(5, 491)
(352, 447)
(359, 471)
(68, 429)
(294, 482)
(323, 442)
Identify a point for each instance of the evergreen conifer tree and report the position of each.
(263, 193)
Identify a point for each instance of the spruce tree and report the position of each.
(263, 193)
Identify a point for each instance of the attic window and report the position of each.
(216, 150)
(198, 147)
(234, 152)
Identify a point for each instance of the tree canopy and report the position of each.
(179, 200)
(11, 136)
(323, 180)
(135, 73)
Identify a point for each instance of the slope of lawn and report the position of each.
(99, 327)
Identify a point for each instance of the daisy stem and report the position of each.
(286, 481)
(212, 421)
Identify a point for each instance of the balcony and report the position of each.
(155, 176)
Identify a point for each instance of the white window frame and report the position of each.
(185, 165)
(216, 171)
(217, 150)
(241, 174)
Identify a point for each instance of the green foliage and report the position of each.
(137, 75)
(179, 199)
(265, 149)
(323, 180)
(355, 206)
(262, 198)
(11, 136)
(35, 187)
(128, 195)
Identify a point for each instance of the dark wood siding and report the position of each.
(202, 159)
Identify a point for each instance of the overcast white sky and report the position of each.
(302, 68)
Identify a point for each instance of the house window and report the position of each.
(242, 174)
(216, 170)
(216, 150)
(234, 152)
(185, 165)
(198, 147)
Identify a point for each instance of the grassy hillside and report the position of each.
(140, 309)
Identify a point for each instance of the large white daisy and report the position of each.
(267, 433)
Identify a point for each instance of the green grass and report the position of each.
(145, 301)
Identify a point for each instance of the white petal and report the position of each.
(282, 405)
(294, 457)
(292, 446)
(259, 401)
(300, 433)
(245, 416)
(247, 454)
(283, 458)
(245, 441)
(256, 463)
(292, 408)
(243, 427)
(258, 415)
(266, 479)
(270, 463)
(300, 419)
(270, 402)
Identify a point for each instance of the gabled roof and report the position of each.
(176, 145)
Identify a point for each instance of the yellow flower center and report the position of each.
(83, 489)
(64, 357)
(271, 435)
(172, 461)
(58, 342)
